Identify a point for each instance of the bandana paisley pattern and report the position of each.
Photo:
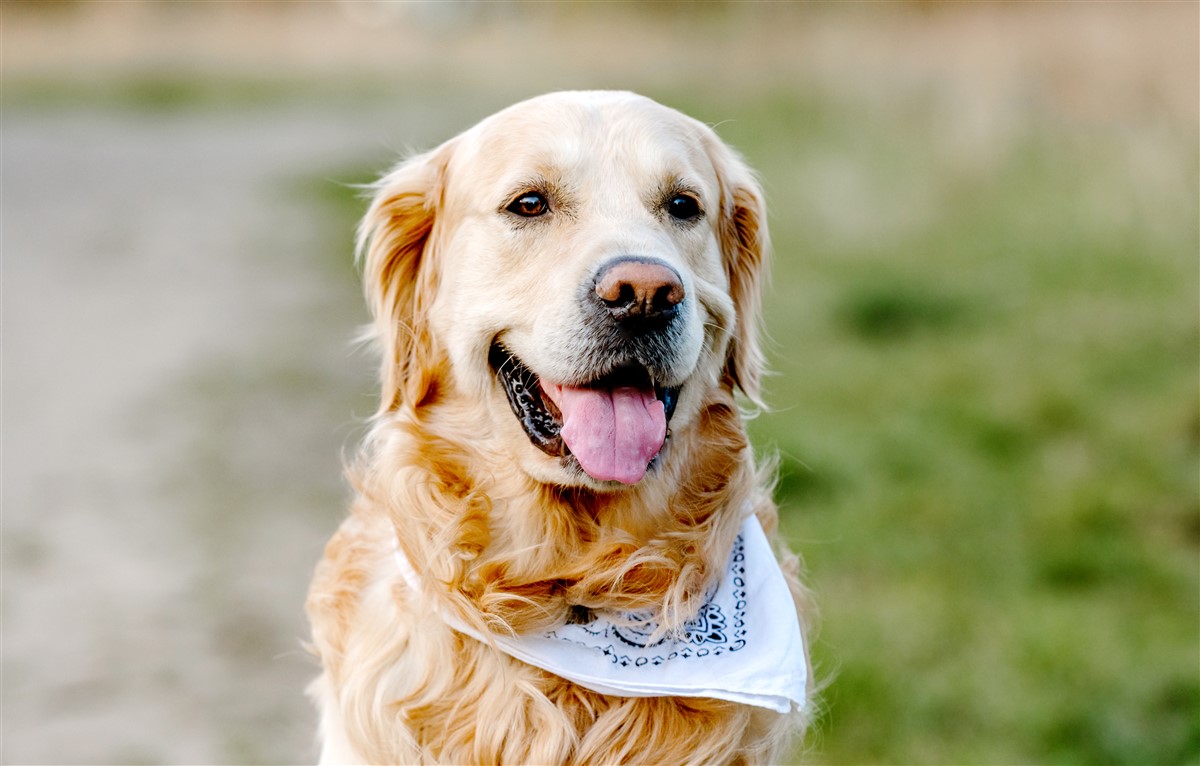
(627, 641)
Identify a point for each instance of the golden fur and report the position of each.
(507, 538)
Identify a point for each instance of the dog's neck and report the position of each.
(516, 555)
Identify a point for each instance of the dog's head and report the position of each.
(581, 269)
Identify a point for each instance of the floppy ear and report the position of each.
(394, 248)
(745, 248)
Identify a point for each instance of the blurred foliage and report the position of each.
(989, 428)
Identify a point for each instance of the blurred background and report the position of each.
(984, 315)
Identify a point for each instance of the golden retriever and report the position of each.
(566, 297)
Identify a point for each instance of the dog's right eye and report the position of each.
(529, 205)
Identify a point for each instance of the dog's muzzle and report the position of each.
(612, 417)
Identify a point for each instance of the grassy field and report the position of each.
(989, 437)
(985, 321)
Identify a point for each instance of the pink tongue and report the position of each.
(612, 433)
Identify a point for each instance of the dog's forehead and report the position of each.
(585, 135)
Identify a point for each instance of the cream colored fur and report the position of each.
(508, 538)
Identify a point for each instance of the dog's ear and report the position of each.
(745, 248)
(394, 251)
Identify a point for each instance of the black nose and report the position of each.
(640, 289)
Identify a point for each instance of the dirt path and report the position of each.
(179, 387)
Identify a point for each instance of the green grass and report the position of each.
(988, 421)
(182, 92)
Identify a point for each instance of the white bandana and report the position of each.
(744, 645)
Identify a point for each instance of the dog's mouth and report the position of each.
(614, 425)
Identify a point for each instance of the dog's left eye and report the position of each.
(529, 205)
(683, 207)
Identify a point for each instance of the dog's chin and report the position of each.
(566, 473)
(608, 431)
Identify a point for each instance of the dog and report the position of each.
(566, 297)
